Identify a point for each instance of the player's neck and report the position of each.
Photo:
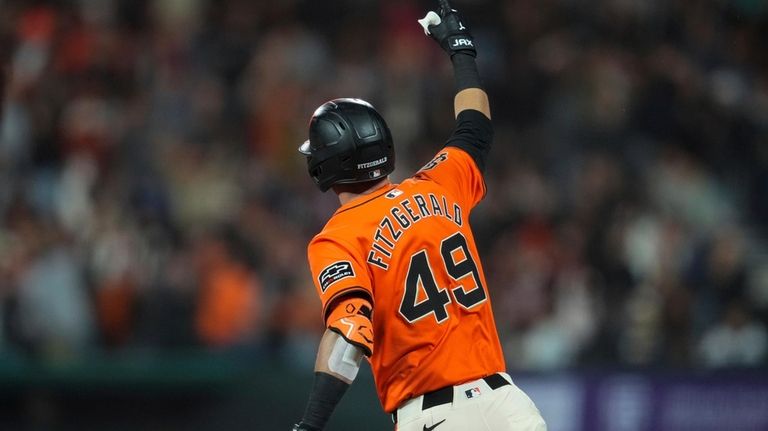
(350, 192)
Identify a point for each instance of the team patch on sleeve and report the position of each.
(335, 272)
(440, 158)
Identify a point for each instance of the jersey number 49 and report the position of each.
(458, 263)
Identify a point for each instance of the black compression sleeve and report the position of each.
(326, 394)
(473, 134)
(465, 72)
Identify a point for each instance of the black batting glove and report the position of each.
(304, 427)
(448, 30)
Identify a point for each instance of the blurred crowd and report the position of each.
(152, 198)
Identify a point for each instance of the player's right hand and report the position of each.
(448, 30)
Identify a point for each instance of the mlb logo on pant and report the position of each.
(472, 393)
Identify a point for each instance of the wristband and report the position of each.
(326, 394)
(465, 72)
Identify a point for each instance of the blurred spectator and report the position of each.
(296, 326)
(115, 269)
(230, 295)
(53, 315)
(737, 340)
(166, 311)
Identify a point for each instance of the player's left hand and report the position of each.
(448, 30)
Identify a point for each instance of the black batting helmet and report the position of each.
(349, 142)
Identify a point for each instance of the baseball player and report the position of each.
(397, 269)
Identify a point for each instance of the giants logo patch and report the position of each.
(335, 272)
(440, 158)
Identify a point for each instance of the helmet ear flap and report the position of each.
(316, 172)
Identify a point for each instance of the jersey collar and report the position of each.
(364, 199)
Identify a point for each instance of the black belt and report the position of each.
(444, 395)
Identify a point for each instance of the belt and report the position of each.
(444, 395)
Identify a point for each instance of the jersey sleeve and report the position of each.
(455, 170)
(336, 270)
(459, 165)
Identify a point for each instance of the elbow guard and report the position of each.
(351, 318)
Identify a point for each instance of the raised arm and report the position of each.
(473, 132)
(448, 30)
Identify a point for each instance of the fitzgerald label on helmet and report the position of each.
(381, 161)
(335, 272)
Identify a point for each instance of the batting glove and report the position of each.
(448, 30)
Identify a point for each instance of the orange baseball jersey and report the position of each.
(409, 248)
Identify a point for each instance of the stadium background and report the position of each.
(154, 212)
